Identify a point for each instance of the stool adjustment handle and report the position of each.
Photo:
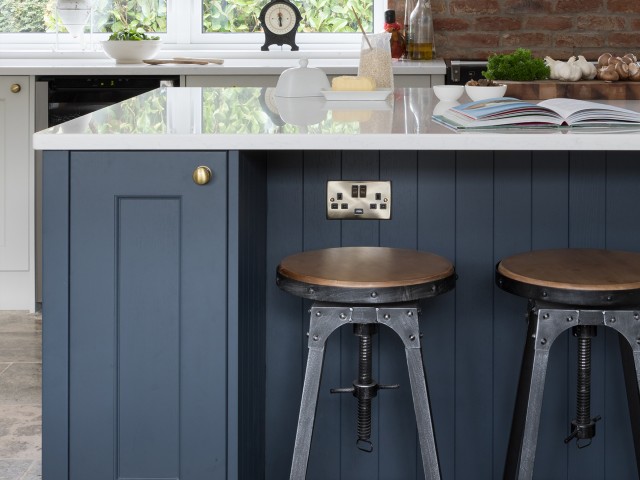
(365, 388)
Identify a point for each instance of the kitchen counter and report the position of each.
(263, 65)
(216, 118)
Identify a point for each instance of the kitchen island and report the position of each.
(169, 352)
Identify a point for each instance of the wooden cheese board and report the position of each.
(583, 90)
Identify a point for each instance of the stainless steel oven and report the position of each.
(460, 72)
(62, 98)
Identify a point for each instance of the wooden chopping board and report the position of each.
(582, 90)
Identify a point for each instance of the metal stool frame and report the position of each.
(402, 318)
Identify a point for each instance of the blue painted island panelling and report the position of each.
(471, 207)
(474, 208)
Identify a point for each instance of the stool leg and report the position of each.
(544, 327)
(631, 369)
(628, 328)
(324, 321)
(404, 321)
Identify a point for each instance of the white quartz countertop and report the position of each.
(267, 65)
(254, 119)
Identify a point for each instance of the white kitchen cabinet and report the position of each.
(17, 278)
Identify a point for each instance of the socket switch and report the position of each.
(358, 200)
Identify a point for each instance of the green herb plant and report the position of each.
(135, 35)
(520, 65)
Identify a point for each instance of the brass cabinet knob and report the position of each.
(202, 175)
(15, 88)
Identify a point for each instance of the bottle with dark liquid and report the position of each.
(398, 46)
(420, 36)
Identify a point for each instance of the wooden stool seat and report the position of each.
(583, 277)
(365, 275)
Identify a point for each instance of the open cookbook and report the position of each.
(556, 112)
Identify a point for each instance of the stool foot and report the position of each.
(405, 323)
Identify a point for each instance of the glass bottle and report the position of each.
(395, 29)
(420, 37)
(408, 8)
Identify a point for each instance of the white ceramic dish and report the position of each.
(353, 95)
(448, 93)
(131, 51)
(482, 93)
(302, 81)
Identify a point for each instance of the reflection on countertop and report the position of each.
(254, 118)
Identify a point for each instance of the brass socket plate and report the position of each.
(358, 200)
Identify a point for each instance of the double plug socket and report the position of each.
(358, 199)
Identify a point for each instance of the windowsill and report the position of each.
(168, 51)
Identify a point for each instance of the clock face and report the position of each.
(280, 18)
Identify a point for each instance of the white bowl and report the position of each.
(482, 93)
(448, 93)
(131, 51)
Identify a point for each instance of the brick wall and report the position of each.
(474, 29)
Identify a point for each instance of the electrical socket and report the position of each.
(358, 200)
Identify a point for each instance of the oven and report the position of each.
(460, 72)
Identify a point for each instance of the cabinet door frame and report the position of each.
(56, 355)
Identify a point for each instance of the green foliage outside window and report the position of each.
(317, 15)
(26, 16)
(33, 16)
(109, 16)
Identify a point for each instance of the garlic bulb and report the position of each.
(588, 69)
(568, 71)
(552, 64)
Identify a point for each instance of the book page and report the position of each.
(575, 111)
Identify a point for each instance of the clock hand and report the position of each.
(280, 18)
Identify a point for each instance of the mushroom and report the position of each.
(603, 60)
(631, 56)
(613, 60)
(608, 74)
(623, 70)
(634, 72)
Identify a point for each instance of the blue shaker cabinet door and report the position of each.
(148, 316)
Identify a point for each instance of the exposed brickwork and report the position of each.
(547, 23)
(496, 23)
(474, 29)
(600, 22)
(581, 6)
(623, 6)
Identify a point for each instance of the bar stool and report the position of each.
(364, 287)
(579, 289)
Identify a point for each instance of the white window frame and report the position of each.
(184, 31)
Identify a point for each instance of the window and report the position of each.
(180, 22)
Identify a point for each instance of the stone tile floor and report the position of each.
(20, 395)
